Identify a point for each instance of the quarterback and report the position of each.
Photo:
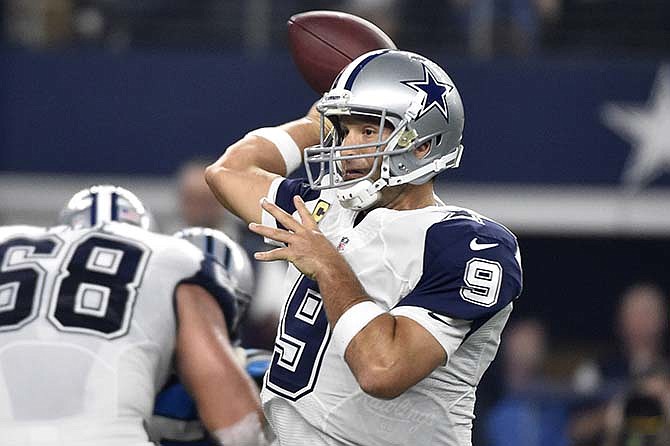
(92, 314)
(395, 302)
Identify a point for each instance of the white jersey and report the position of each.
(451, 270)
(87, 331)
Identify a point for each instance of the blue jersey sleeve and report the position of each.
(471, 270)
(281, 193)
(292, 187)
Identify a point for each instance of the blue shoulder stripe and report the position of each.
(290, 188)
(470, 270)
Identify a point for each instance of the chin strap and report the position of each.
(448, 161)
(364, 194)
(361, 195)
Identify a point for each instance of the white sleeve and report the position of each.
(266, 218)
(449, 332)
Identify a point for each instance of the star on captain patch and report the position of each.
(436, 92)
(647, 129)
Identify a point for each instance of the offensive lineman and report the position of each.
(396, 302)
(175, 421)
(92, 314)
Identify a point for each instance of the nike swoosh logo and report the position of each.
(476, 246)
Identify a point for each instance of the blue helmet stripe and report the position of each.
(94, 209)
(115, 207)
(226, 257)
(359, 67)
(209, 244)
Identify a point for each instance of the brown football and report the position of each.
(324, 42)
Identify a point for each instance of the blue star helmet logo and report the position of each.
(436, 92)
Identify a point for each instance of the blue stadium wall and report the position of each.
(145, 112)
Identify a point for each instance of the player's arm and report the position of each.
(459, 290)
(226, 397)
(244, 173)
(391, 353)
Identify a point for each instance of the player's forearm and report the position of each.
(206, 362)
(249, 163)
(243, 174)
(226, 397)
(382, 365)
(258, 152)
(373, 354)
(339, 286)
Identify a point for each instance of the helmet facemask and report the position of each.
(328, 155)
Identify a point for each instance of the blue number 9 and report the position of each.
(304, 334)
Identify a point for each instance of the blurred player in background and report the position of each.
(642, 327)
(396, 302)
(176, 420)
(197, 205)
(94, 313)
(641, 417)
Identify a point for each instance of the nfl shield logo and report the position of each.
(342, 244)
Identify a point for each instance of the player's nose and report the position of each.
(346, 151)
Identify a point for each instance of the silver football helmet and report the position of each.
(102, 204)
(235, 270)
(409, 92)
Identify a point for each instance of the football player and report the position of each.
(175, 421)
(395, 301)
(94, 312)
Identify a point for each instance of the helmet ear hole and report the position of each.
(423, 150)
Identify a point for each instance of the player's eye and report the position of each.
(369, 131)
